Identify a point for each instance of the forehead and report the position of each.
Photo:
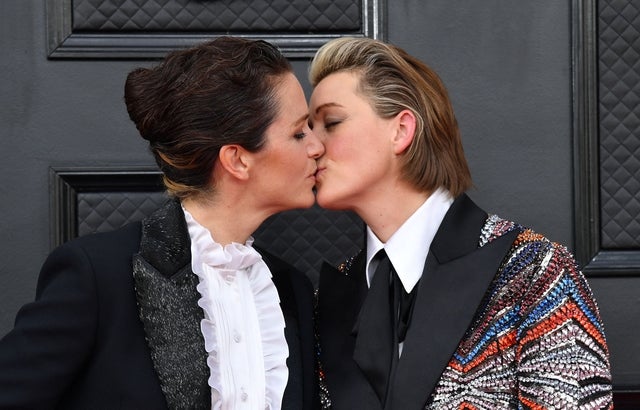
(291, 98)
(346, 81)
(339, 88)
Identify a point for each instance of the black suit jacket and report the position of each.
(446, 302)
(115, 325)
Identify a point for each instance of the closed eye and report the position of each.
(331, 124)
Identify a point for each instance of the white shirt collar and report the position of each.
(409, 245)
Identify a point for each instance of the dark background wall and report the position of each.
(508, 66)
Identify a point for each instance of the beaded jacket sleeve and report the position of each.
(537, 341)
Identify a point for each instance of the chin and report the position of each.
(328, 202)
(303, 203)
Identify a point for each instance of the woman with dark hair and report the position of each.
(180, 310)
(446, 307)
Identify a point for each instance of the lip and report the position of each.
(319, 171)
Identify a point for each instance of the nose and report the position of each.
(315, 149)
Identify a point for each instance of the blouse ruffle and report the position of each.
(241, 308)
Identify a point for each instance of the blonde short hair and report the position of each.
(392, 81)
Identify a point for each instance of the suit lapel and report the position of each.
(341, 295)
(456, 276)
(168, 307)
(297, 333)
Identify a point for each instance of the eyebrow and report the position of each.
(303, 118)
(326, 105)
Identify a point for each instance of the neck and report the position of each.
(386, 213)
(227, 221)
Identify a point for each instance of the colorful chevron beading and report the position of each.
(537, 341)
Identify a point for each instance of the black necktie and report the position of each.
(400, 302)
(375, 346)
(383, 323)
(403, 306)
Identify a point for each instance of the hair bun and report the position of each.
(138, 100)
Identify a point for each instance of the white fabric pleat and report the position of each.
(243, 325)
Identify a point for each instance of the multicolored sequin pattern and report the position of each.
(538, 341)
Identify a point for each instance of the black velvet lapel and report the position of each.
(168, 308)
(456, 276)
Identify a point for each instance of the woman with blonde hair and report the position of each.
(446, 307)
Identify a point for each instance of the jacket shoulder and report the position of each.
(124, 239)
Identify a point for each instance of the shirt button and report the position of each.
(244, 396)
(236, 337)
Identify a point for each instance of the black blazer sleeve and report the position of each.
(52, 336)
(80, 344)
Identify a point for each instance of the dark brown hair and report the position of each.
(392, 81)
(198, 99)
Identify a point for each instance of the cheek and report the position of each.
(338, 148)
(350, 156)
(294, 162)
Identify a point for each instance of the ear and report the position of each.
(234, 160)
(405, 131)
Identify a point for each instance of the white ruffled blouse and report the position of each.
(243, 325)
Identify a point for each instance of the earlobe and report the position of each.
(406, 130)
(233, 159)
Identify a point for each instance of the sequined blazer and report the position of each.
(503, 319)
(116, 325)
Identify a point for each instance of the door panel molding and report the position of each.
(76, 30)
(595, 258)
